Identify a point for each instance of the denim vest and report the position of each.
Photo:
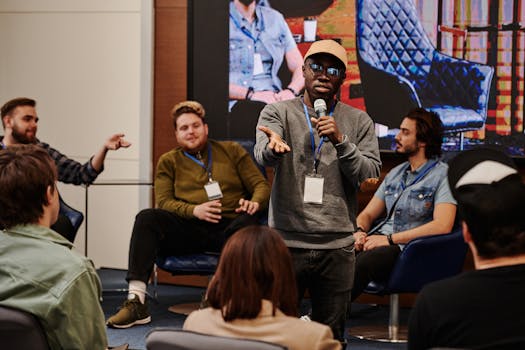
(273, 34)
(413, 205)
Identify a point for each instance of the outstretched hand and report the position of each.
(208, 211)
(276, 144)
(116, 141)
(246, 206)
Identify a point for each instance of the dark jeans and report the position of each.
(328, 275)
(158, 232)
(65, 228)
(373, 265)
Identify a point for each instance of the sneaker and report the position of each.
(132, 312)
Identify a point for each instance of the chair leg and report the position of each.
(394, 333)
(155, 281)
(393, 323)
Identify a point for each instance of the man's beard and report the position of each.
(20, 137)
(407, 151)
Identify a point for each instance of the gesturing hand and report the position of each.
(247, 206)
(276, 143)
(116, 141)
(208, 211)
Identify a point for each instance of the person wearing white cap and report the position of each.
(483, 308)
(321, 149)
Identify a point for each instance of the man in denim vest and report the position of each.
(260, 42)
(414, 200)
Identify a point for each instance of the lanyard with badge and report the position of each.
(212, 188)
(257, 60)
(422, 173)
(314, 183)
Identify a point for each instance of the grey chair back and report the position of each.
(178, 339)
(21, 330)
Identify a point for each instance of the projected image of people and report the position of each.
(260, 42)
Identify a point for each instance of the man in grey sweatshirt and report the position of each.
(319, 159)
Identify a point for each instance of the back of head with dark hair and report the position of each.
(429, 129)
(10, 106)
(255, 264)
(490, 196)
(26, 172)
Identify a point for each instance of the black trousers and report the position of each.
(373, 265)
(158, 232)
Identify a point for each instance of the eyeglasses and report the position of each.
(331, 71)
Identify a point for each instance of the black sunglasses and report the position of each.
(331, 71)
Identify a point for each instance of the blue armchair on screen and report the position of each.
(401, 69)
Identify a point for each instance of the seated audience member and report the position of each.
(39, 273)
(260, 40)
(482, 308)
(414, 200)
(20, 123)
(205, 190)
(253, 295)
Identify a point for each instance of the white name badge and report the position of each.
(213, 190)
(257, 64)
(313, 189)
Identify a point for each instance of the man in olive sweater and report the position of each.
(205, 190)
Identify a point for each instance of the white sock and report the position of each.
(137, 288)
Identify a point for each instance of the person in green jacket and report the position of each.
(39, 273)
(205, 191)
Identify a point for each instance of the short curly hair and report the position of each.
(26, 172)
(187, 107)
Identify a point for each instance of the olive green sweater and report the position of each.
(179, 181)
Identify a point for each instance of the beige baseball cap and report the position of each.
(330, 47)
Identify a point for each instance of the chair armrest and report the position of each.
(459, 82)
(428, 259)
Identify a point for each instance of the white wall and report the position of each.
(89, 66)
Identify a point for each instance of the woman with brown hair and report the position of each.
(253, 295)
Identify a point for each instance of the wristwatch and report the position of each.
(249, 93)
(292, 90)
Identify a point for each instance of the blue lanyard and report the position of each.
(244, 30)
(207, 168)
(315, 152)
(423, 172)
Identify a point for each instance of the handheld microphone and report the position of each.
(320, 110)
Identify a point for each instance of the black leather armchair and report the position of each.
(423, 260)
(401, 69)
(21, 330)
